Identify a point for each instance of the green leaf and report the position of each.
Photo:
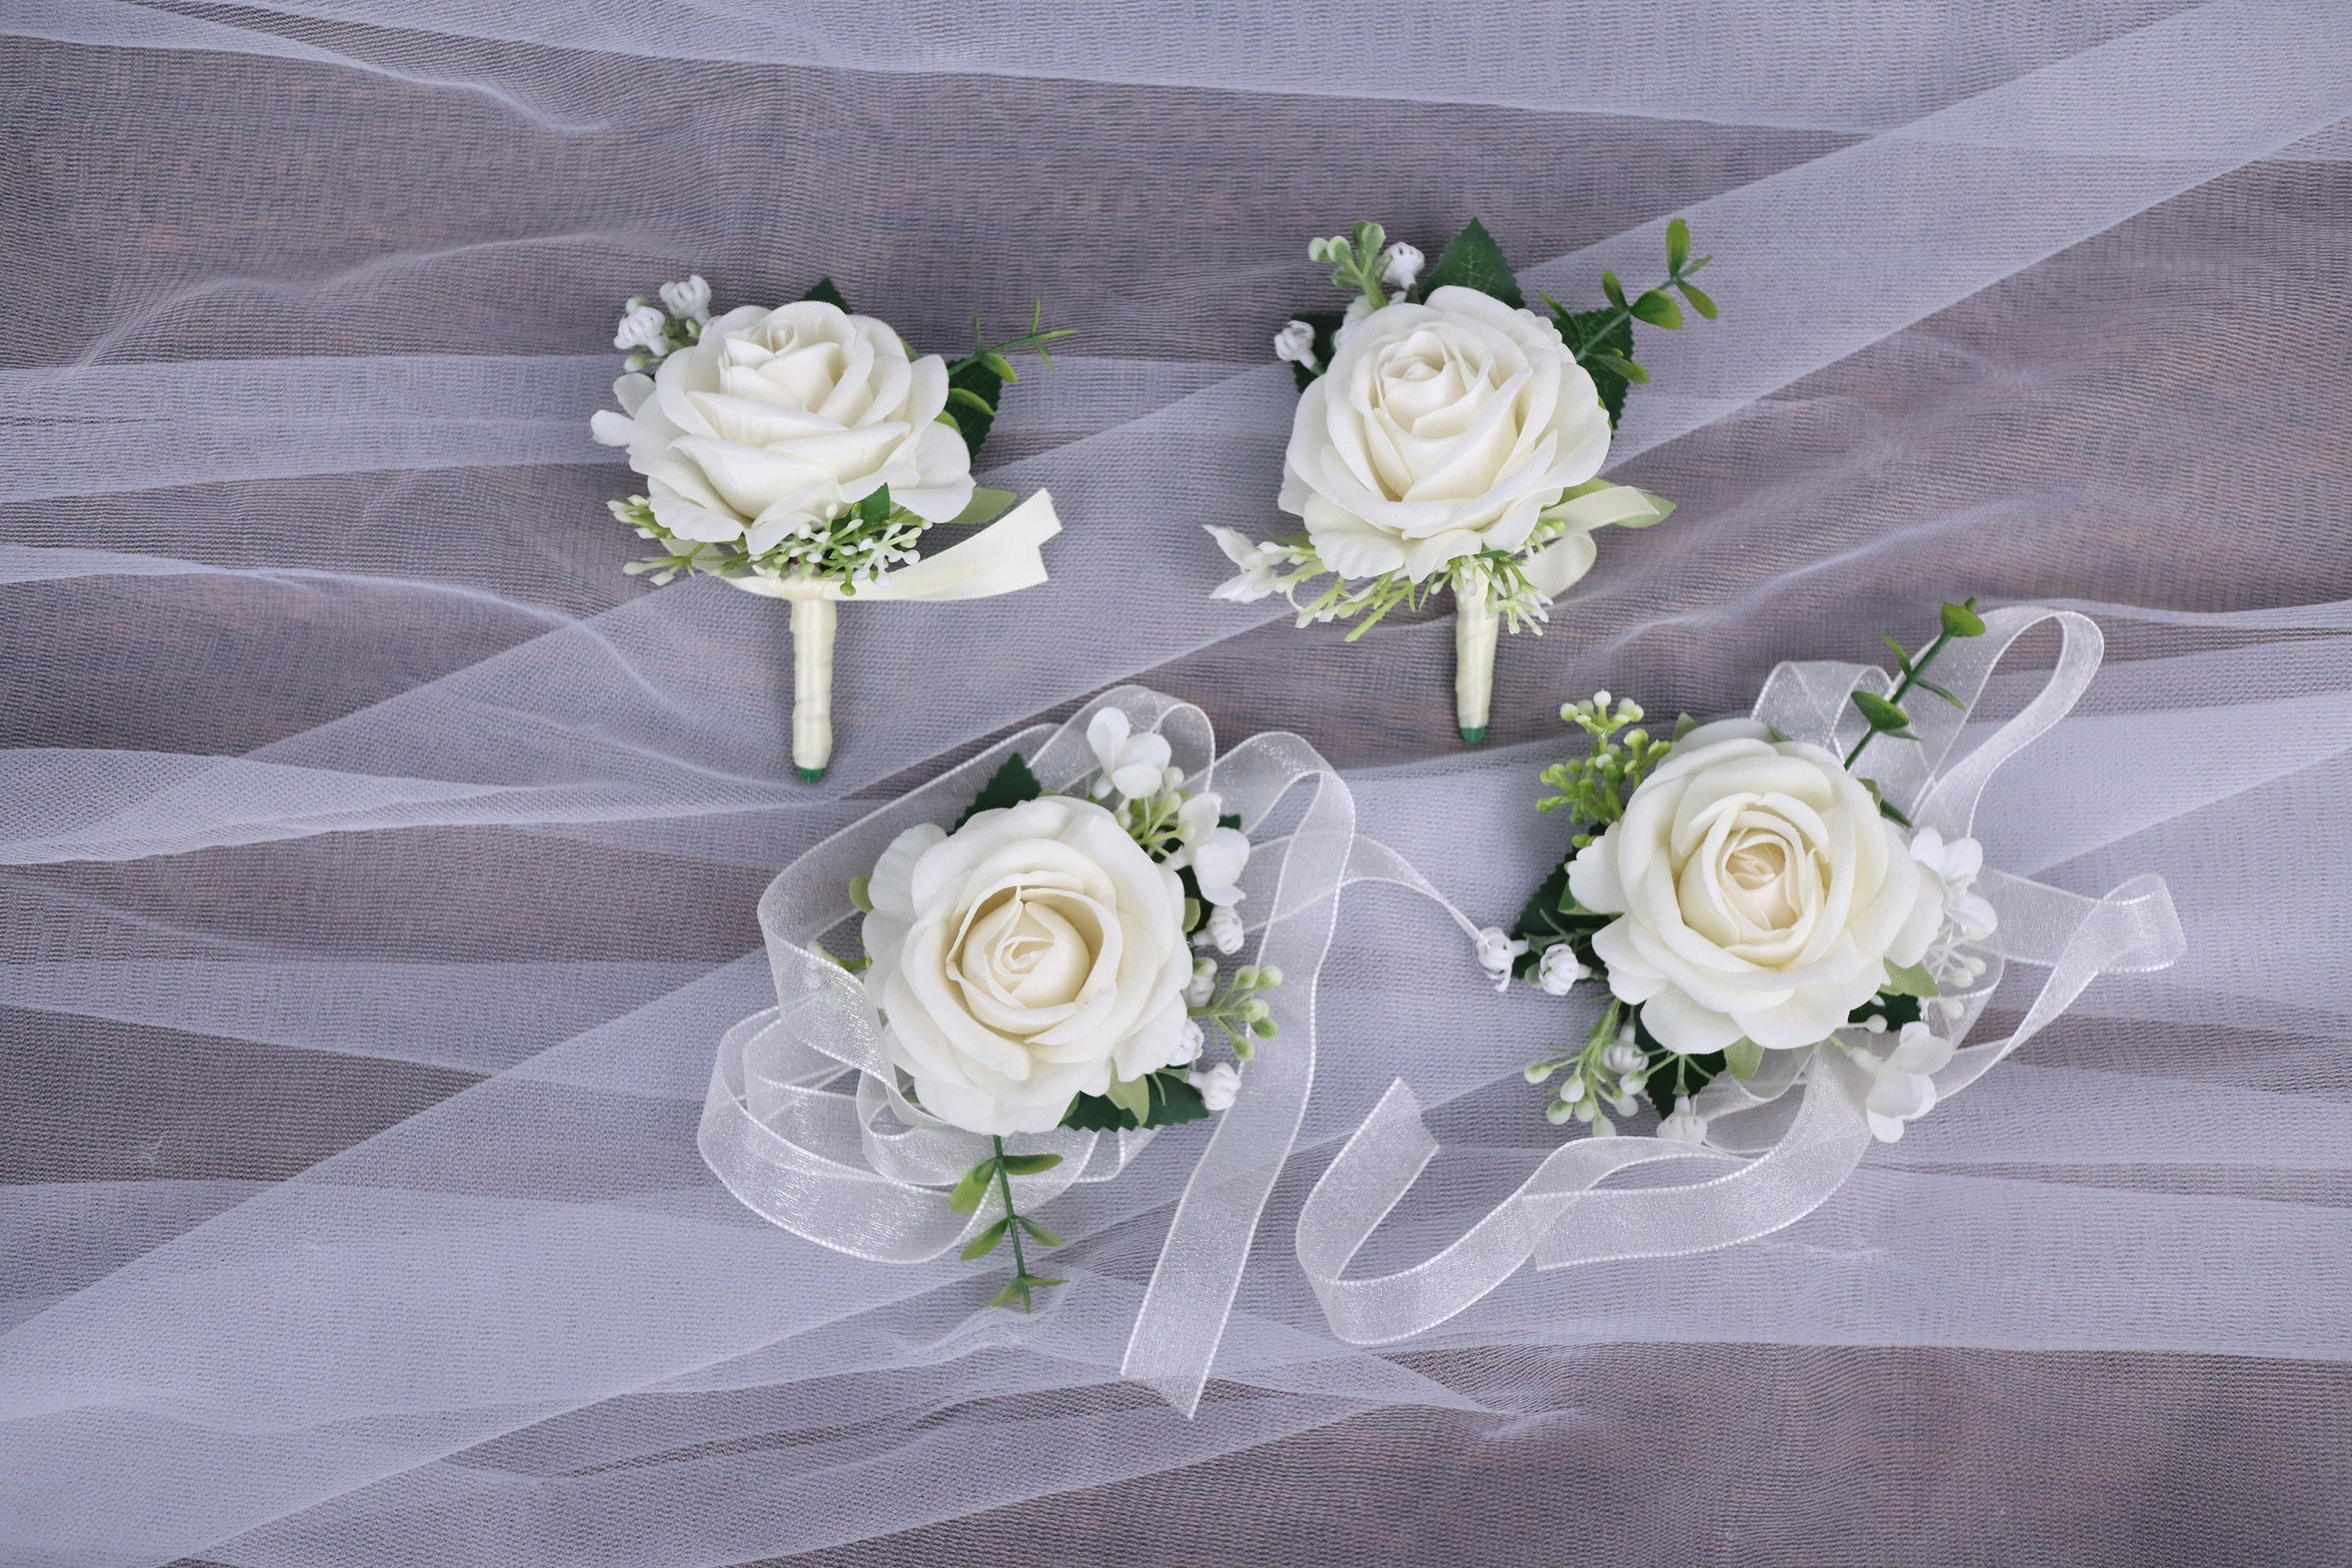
(1678, 244)
(1613, 289)
(1585, 336)
(1474, 261)
(999, 366)
(1883, 715)
(1931, 686)
(986, 505)
(1742, 1057)
(1132, 1095)
(1909, 980)
(1902, 656)
(1018, 1290)
(1030, 1164)
(1008, 786)
(876, 505)
(1886, 810)
(823, 290)
(1661, 508)
(1658, 310)
(986, 1242)
(1173, 1100)
(1699, 300)
(1962, 620)
(1684, 725)
(1038, 1231)
(1896, 1010)
(967, 1192)
(861, 894)
(973, 393)
(1623, 367)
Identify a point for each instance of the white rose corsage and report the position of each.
(803, 452)
(1786, 931)
(1447, 436)
(1052, 970)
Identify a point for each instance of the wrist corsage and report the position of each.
(1449, 437)
(1786, 932)
(1055, 966)
(803, 452)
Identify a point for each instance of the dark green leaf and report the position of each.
(1585, 336)
(1173, 1100)
(973, 393)
(1474, 261)
(1039, 1232)
(876, 506)
(983, 1243)
(1030, 1164)
(1231, 819)
(967, 1192)
(1886, 809)
(1699, 300)
(823, 290)
(1677, 245)
(1658, 310)
(1902, 657)
(1883, 715)
(1133, 1096)
(1896, 1010)
(1327, 331)
(1008, 786)
(1962, 620)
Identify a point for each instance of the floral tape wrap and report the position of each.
(866, 1174)
(1786, 1139)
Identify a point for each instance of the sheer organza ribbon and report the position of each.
(866, 1173)
(1786, 1140)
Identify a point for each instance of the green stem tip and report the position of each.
(809, 775)
(1472, 737)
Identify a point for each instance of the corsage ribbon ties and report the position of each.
(1774, 1143)
(824, 1123)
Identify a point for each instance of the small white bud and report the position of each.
(1600, 701)
(1400, 264)
(1204, 983)
(642, 328)
(1560, 970)
(1295, 345)
(1218, 1086)
(1225, 929)
(1623, 1057)
(1497, 953)
(1686, 1125)
(1194, 1038)
(689, 301)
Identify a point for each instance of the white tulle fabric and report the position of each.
(378, 865)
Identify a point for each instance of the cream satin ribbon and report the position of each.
(1004, 557)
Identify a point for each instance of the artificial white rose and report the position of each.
(1027, 958)
(1441, 429)
(776, 421)
(1762, 895)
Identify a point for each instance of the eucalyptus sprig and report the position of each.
(854, 548)
(1355, 261)
(998, 1170)
(1239, 1011)
(1884, 714)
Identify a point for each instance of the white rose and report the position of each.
(1024, 960)
(1762, 894)
(1440, 429)
(777, 420)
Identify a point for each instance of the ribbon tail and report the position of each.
(1002, 558)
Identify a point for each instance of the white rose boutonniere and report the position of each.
(1447, 436)
(801, 452)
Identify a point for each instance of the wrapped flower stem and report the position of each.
(1476, 632)
(814, 620)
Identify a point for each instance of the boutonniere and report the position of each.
(1784, 931)
(1061, 947)
(1449, 437)
(803, 452)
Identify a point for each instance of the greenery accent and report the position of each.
(1602, 339)
(1238, 1010)
(1884, 714)
(1355, 261)
(854, 547)
(823, 292)
(1593, 790)
(976, 382)
(1160, 1099)
(1008, 786)
(1327, 344)
(1473, 261)
(968, 1194)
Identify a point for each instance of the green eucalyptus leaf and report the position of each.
(1659, 311)
(973, 393)
(1902, 656)
(1008, 786)
(1018, 1290)
(1474, 261)
(1039, 1233)
(1587, 335)
(1883, 715)
(1742, 1057)
(1624, 367)
(1613, 289)
(1909, 980)
(967, 1192)
(985, 506)
(1678, 244)
(1962, 620)
(823, 292)
(1700, 299)
(986, 1242)
(1931, 686)
(1132, 1095)
(1030, 1164)
(860, 894)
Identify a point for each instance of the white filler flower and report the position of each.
(1903, 1085)
(1295, 344)
(1761, 893)
(1498, 951)
(1441, 429)
(1558, 969)
(1218, 1086)
(1026, 959)
(1133, 766)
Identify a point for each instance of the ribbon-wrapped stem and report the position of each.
(813, 622)
(1476, 630)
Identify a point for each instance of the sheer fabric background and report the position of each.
(379, 861)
